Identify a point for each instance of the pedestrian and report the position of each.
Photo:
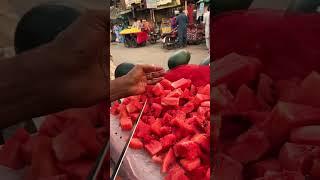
(116, 30)
(206, 21)
(182, 22)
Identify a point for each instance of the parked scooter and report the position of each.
(170, 40)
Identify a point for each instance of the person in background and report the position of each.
(136, 23)
(206, 21)
(173, 21)
(190, 8)
(116, 30)
(182, 22)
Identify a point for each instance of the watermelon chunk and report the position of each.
(309, 90)
(164, 130)
(297, 157)
(66, 147)
(166, 84)
(168, 140)
(155, 127)
(186, 149)
(10, 155)
(265, 91)
(136, 143)
(249, 146)
(246, 99)
(306, 135)
(202, 140)
(168, 160)
(188, 107)
(158, 89)
(181, 83)
(79, 169)
(126, 123)
(170, 101)
(190, 165)
(21, 135)
(153, 147)
(175, 93)
(204, 90)
(285, 116)
(227, 168)
(156, 109)
(260, 168)
(43, 163)
(176, 173)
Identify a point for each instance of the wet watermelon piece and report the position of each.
(168, 160)
(10, 154)
(21, 135)
(246, 99)
(176, 173)
(175, 93)
(155, 127)
(309, 90)
(204, 90)
(136, 143)
(227, 168)
(287, 90)
(198, 173)
(26, 149)
(66, 147)
(265, 91)
(164, 130)
(78, 169)
(166, 84)
(297, 157)
(156, 109)
(143, 131)
(52, 125)
(205, 104)
(114, 110)
(170, 101)
(306, 135)
(202, 140)
(166, 118)
(131, 107)
(181, 83)
(250, 146)
(235, 70)
(286, 116)
(186, 149)
(43, 163)
(126, 123)
(158, 89)
(223, 99)
(190, 165)
(188, 107)
(260, 168)
(158, 159)
(199, 98)
(168, 140)
(153, 147)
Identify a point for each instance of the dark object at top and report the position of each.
(41, 25)
(229, 5)
(122, 69)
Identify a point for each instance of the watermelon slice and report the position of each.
(181, 83)
(168, 160)
(202, 140)
(306, 135)
(190, 165)
(158, 89)
(10, 154)
(170, 101)
(227, 168)
(153, 147)
(168, 140)
(156, 109)
(166, 84)
(155, 127)
(66, 147)
(297, 157)
(186, 149)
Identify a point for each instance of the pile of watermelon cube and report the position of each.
(265, 129)
(65, 147)
(174, 128)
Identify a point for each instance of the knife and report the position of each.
(122, 155)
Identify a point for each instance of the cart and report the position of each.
(134, 37)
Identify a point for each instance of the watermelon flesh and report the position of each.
(175, 127)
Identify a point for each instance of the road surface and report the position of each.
(154, 54)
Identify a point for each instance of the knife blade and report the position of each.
(122, 155)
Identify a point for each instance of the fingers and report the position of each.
(155, 74)
(154, 80)
(150, 68)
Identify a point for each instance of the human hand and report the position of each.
(142, 75)
(82, 49)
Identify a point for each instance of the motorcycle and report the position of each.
(170, 40)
